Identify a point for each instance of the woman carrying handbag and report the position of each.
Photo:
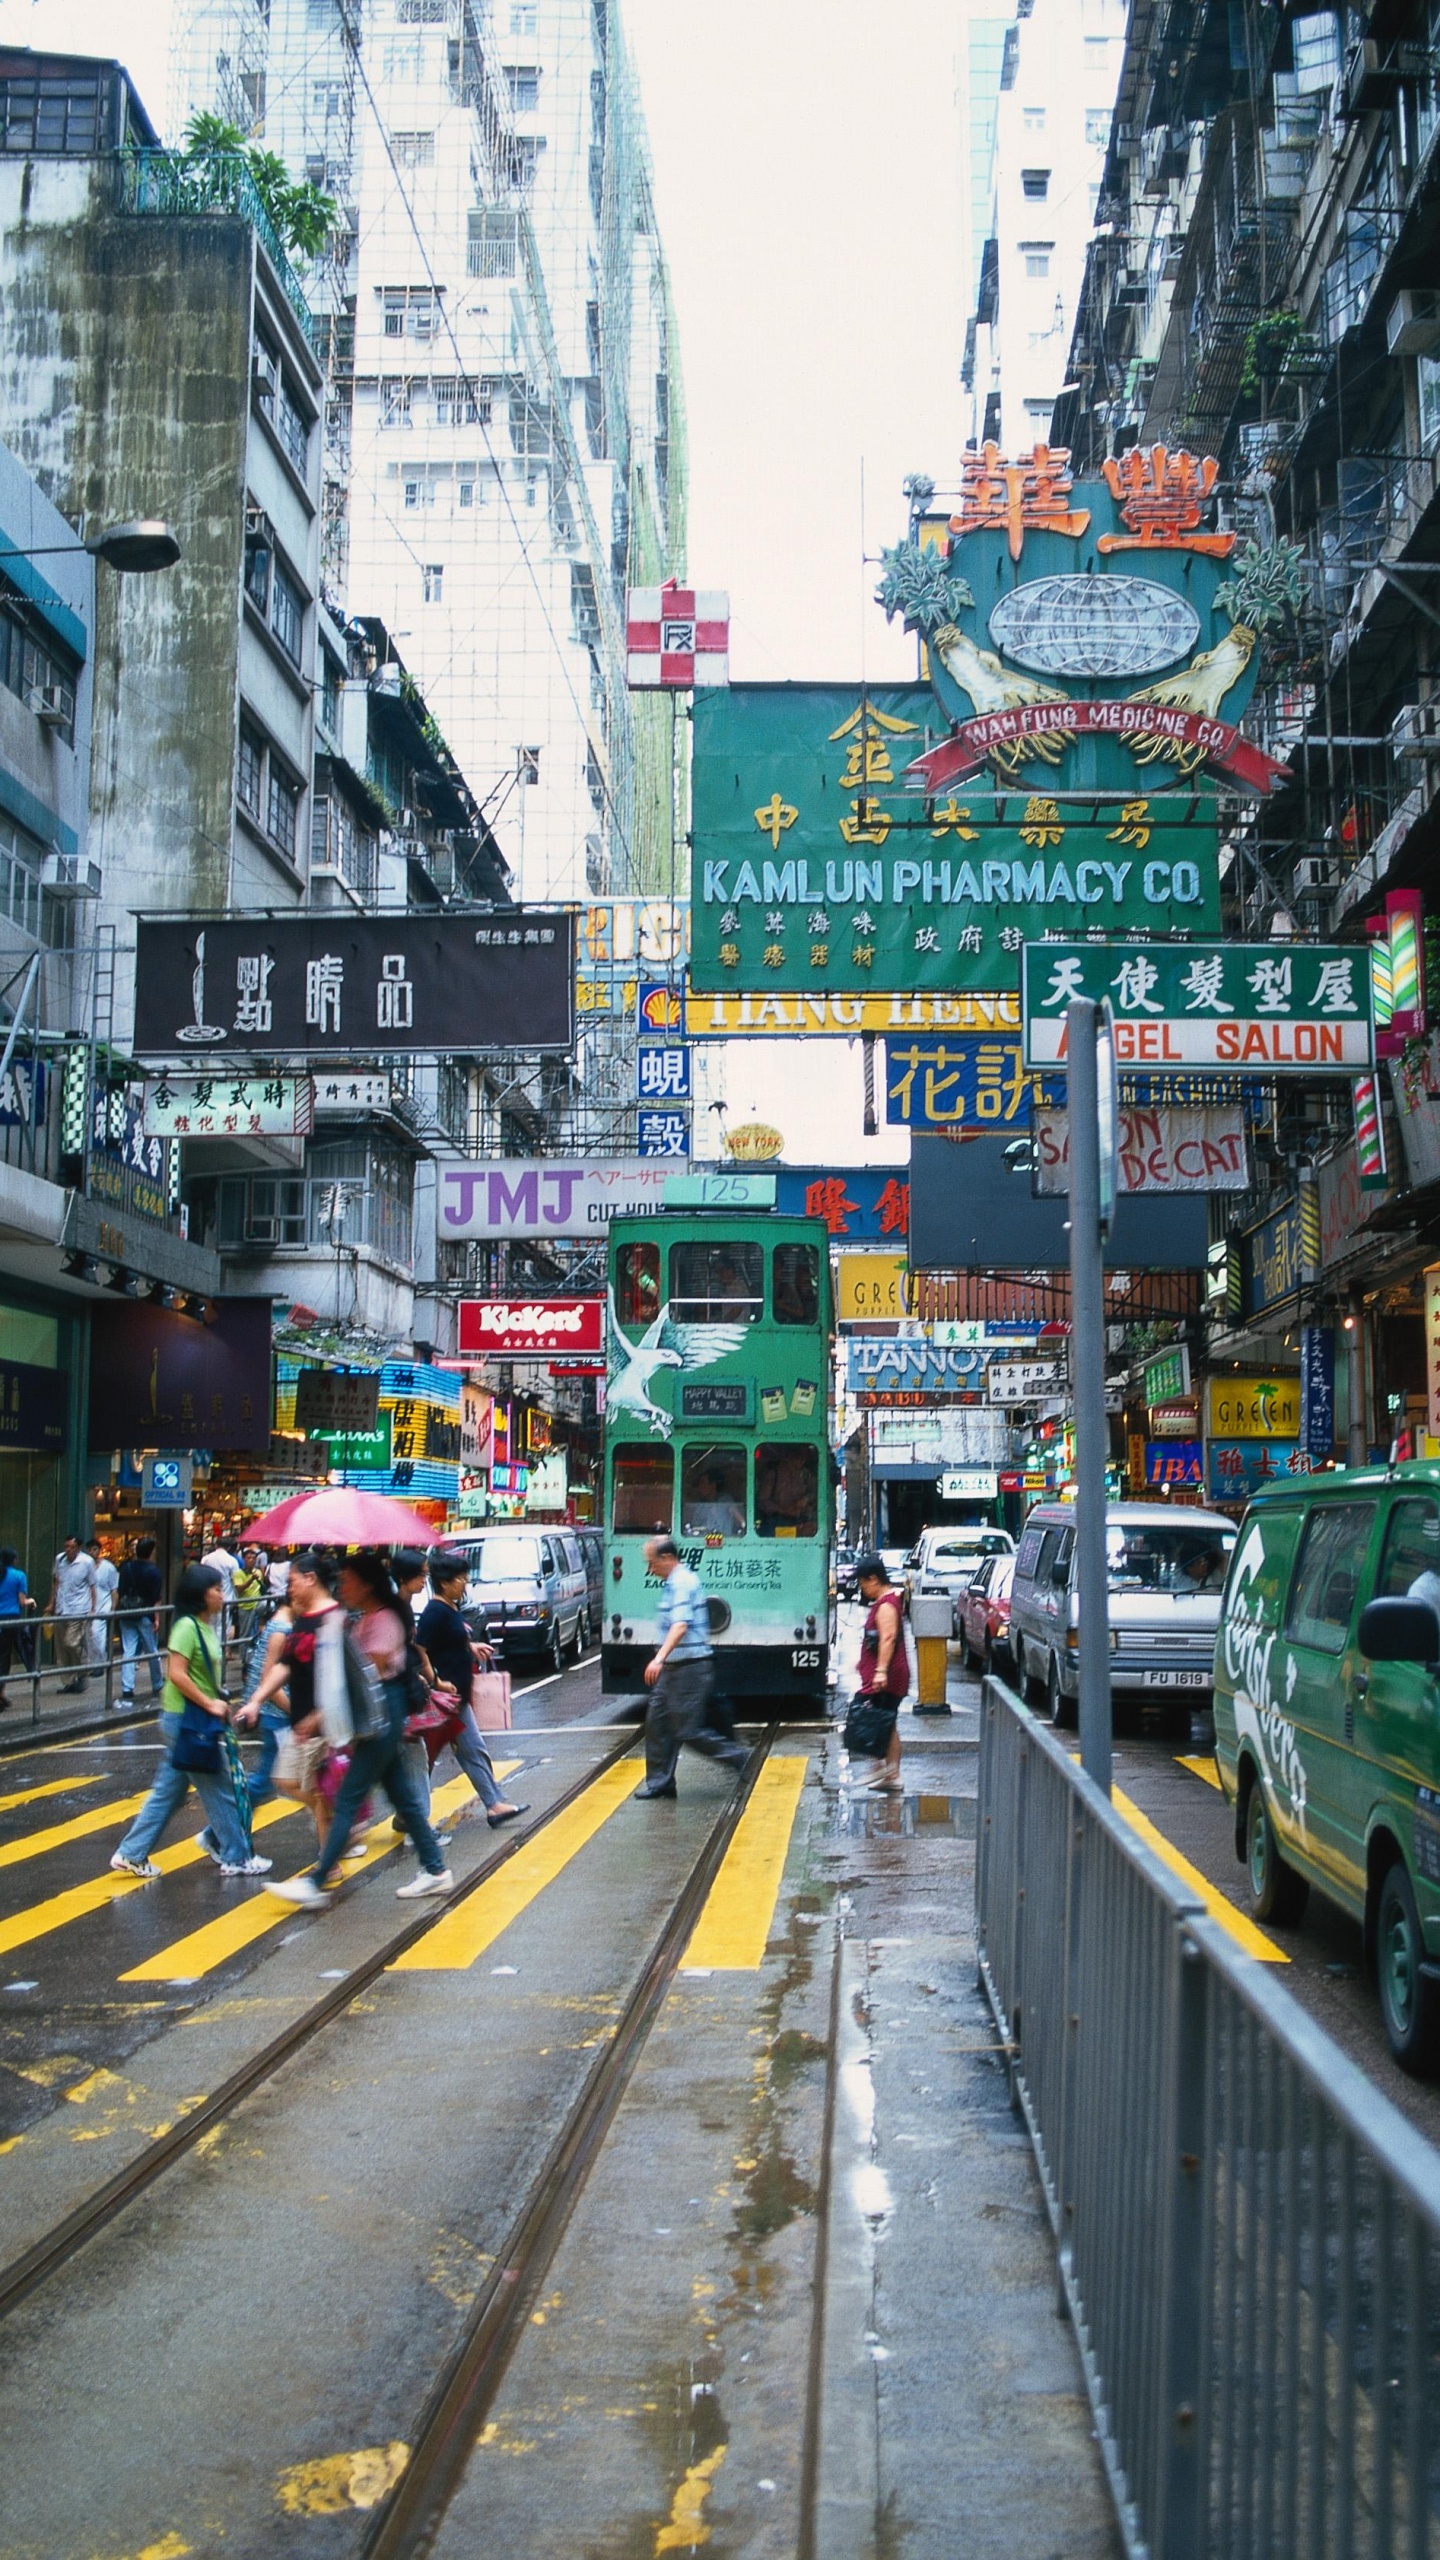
(455, 1659)
(884, 1673)
(194, 1714)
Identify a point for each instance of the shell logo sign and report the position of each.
(755, 1142)
(660, 1008)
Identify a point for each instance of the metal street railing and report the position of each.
(78, 1664)
(1248, 2232)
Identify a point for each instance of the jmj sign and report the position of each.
(530, 1328)
(1266, 1009)
(525, 1197)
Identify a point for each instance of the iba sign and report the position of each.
(530, 1328)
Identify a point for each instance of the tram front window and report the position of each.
(643, 1491)
(712, 1492)
(797, 1284)
(637, 1286)
(787, 1489)
(717, 1283)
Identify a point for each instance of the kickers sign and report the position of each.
(530, 1328)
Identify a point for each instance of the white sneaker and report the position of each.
(298, 1889)
(248, 1867)
(144, 1868)
(425, 1883)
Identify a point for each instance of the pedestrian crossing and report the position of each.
(99, 1817)
(190, 1958)
(455, 1942)
(52, 1787)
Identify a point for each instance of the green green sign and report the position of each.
(816, 870)
(1167, 1376)
(1263, 1008)
(360, 1448)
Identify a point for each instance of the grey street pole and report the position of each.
(1087, 1375)
(1357, 1442)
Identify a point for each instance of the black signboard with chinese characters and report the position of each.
(312, 985)
(336, 1400)
(34, 1408)
(721, 1403)
(163, 1381)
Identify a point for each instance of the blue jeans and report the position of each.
(273, 1723)
(469, 1749)
(378, 1760)
(169, 1792)
(137, 1635)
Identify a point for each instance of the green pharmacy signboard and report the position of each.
(816, 869)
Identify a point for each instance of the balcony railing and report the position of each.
(159, 182)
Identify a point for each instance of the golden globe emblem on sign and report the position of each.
(755, 1142)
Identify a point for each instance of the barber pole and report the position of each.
(1369, 1135)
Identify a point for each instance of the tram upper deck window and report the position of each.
(787, 1489)
(637, 1285)
(643, 1491)
(717, 1283)
(712, 1491)
(797, 1284)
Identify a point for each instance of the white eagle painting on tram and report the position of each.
(664, 1344)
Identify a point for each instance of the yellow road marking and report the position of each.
(1205, 1769)
(465, 1933)
(686, 2531)
(187, 1959)
(341, 2480)
(1244, 1932)
(732, 1931)
(52, 1787)
(100, 1817)
(41, 1918)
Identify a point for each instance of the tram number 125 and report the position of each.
(805, 1658)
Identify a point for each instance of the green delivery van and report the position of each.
(1327, 1719)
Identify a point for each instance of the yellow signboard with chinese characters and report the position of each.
(871, 1287)
(785, 1017)
(1256, 1408)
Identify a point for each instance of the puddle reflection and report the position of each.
(867, 1817)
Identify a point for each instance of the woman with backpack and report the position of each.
(194, 1714)
(373, 1668)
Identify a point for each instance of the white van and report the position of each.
(528, 1592)
(1166, 1572)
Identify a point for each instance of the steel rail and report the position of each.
(58, 2245)
(451, 2420)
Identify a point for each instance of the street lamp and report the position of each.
(139, 544)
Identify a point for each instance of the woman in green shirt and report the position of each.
(193, 1674)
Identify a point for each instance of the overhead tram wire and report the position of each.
(502, 483)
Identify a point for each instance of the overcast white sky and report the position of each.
(808, 177)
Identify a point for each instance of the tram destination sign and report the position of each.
(208, 988)
(1264, 1009)
(816, 868)
(731, 1400)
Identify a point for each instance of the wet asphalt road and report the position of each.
(65, 2011)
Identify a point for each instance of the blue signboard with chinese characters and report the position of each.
(937, 1082)
(1317, 1390)
(1237, 1468)
(869, 1206)
(662, 1071)
(663, 1133)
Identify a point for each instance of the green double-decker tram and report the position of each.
(716, 1431)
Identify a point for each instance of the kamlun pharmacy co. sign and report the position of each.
(906, 838)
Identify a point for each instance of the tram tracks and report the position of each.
(463, 2392)
(65, 2240)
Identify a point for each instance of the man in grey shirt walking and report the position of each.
(680, 1676)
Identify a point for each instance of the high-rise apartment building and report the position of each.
(1058, 73)
(504, 438)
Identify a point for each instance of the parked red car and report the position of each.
(985, 1614)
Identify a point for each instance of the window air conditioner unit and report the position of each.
(1415, 731)
(54, 704)
(1412, 326)
(1369, 78)
(1316, 874)
(69, 875)
(263, 374)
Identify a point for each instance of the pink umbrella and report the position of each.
(342, 1516)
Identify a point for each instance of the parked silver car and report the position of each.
(948, 1559)
(527, 1591)
(1166, 1571)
